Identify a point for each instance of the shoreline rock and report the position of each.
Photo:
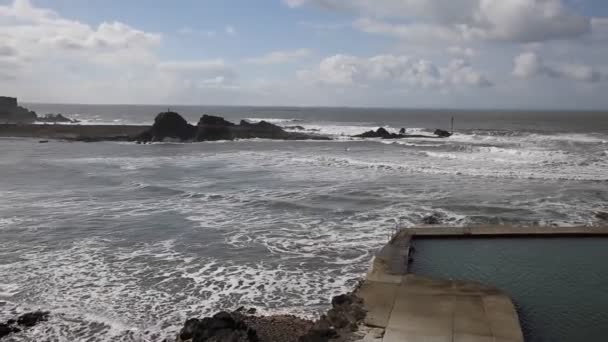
(26, 320)
(338, 324)
(384, 134)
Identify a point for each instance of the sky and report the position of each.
(506, 54)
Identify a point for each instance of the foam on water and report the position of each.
(123, 242)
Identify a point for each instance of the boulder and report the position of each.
(402, 131)
(213, 128)
(441, 133)
(26, 320)
(433, 219)
(32, 318)
(222, 327)
(168, 125)
(6, 329)
(214, 121)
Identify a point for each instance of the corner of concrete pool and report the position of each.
(490, 283)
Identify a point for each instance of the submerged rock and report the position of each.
(434, 219)
(442, 133)
(6, 329)
(602, 215)
(26, 320)
(379, 133)
(56, 118)
(32, 318)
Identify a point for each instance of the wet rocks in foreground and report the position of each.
(27, 320)
(337, 324)
(222, 327)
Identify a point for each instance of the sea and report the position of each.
(124, 242)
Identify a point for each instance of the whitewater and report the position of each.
(123, 242)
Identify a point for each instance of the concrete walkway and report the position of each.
(411, 308)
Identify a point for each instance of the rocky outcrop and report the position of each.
(338, 324)
(27, 320)
(168, 125)
(384, 134)
(11, 112)
(222, 327)
(442, 133)
(56, 118)
(379, 133)
(214, 128)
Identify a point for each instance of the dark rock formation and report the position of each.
(11, 112)
(32, 318)
(168, 125)
(339, 324)
(379, 133)
(213, 128)
(56, 118)
(27, 320)
(222, 327)
(442, 133)
(6, 329)
(384, 134)
(343, 318)
(602, 215)
(434, 219)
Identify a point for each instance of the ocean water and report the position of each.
(123, 242)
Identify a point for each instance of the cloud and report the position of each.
(110, 62)
(391, 70)
(42, 36)
(497, 20)
(529, 64)
(280, 57)
(7, 51)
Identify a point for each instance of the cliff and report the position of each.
(11, 112)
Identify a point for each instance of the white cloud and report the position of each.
(390, 70)
(280, 57)
(112, 62)
(516, 20)
(530, 64)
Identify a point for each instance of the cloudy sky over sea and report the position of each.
(396, 53)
